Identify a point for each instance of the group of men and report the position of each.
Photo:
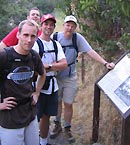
(26, 101)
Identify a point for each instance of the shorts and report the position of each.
(47, 104)
(28, 135)
(68, 89)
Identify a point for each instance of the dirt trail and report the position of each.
(83, 109)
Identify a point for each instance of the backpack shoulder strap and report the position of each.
(55, 36)
(10, 60)
(34, 67)
(9, 53)
(6, 68)
(74, 41)
(33, 57)
(41, 47)
(55, 48)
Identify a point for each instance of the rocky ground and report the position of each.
(83, 112)
(110, 119)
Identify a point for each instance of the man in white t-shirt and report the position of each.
(48, 99)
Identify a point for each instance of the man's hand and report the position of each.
(8, 103)
(109, 65)
(35, 96)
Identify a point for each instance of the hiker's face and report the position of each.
(34, 15)
(48, 27)
(27, 37)
(69, 27)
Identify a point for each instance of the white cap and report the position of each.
(70, 18)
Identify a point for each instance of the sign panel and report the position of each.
(116, 84)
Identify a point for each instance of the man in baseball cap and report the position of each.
(47, 17)
(67, 79)
(54, 60)
(70, 18)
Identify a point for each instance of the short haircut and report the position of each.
(34, 8)
(29, 22)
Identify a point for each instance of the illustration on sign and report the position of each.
(123, 91)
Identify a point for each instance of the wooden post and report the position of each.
(125, 138)
(82, 68)
(96, 107)
(125, 135)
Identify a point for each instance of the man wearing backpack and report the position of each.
(18, 121)
(72, 43)
(54, 60)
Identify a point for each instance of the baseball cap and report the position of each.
(70, 18)
(47, 17)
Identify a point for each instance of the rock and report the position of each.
(96, 144)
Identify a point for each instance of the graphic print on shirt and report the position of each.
(21, 75)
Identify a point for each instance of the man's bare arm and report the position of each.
(2, 45)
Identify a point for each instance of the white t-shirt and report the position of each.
(49, 58)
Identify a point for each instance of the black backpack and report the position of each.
(74, 44)
(74, 40)
(8, 65)
(41, 48)
(41, 52)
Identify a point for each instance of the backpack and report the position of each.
(71, 56)
(74, 41)
(41, 48)
(41, 52)
(8, 65)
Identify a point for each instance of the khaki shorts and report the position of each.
(68, 89)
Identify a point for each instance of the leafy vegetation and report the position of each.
(105, 23)
(13, 11)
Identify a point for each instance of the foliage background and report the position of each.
(14, 11)
(105, 23)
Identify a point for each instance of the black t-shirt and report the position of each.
(19, 85)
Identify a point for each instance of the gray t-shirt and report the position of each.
(71, 53)
(83, 45)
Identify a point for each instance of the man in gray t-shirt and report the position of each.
(67, 79)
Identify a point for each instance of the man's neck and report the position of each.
(19, 50)
(45, 37)
(68, 35)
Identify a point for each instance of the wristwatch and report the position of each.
(50, 66)
(105, 64)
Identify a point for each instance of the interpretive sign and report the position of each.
(116, 85)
